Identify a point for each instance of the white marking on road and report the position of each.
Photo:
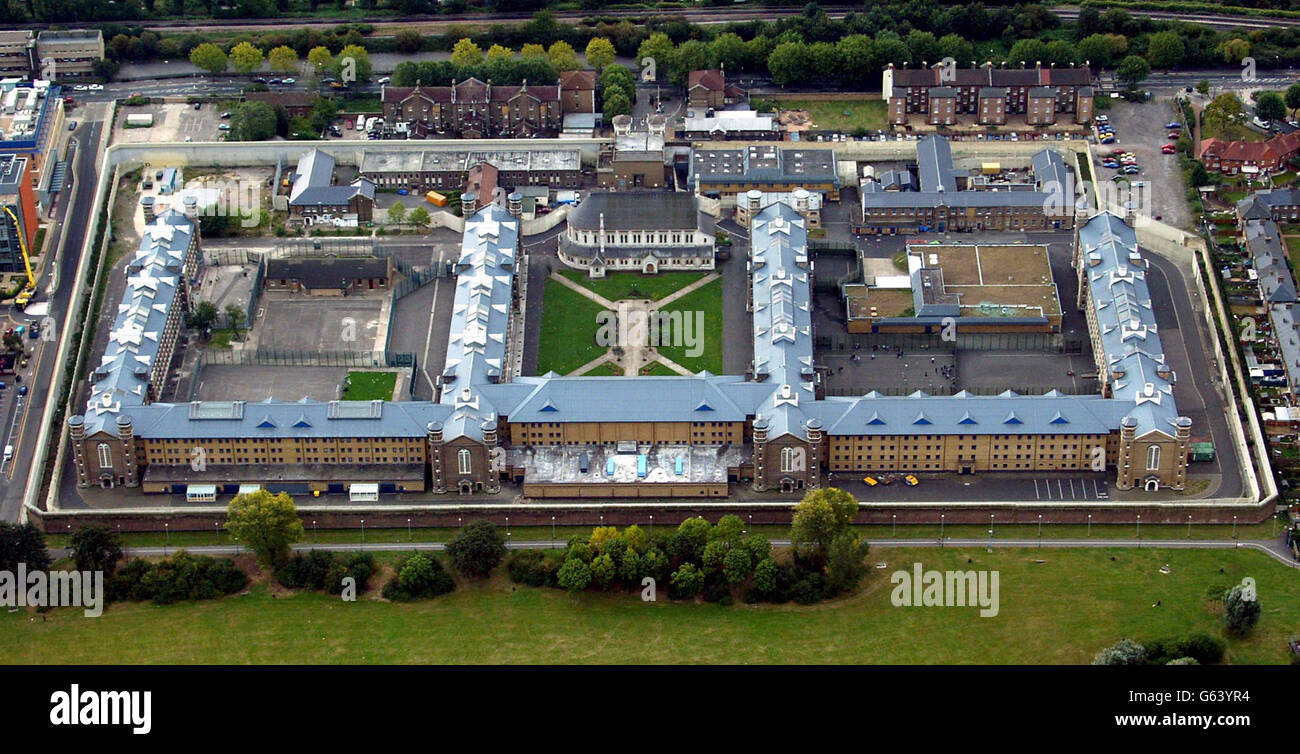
(1036, 494)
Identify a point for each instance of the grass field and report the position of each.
(568, 334)
(656, 369)
(1293, 249)
(869, 112)
(621, 285)
(370, 386)
(707, 299)
(1055, 607)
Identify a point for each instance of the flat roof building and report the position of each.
(73, 53)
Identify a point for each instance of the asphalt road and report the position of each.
(70, 227)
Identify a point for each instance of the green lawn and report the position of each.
(568, 333)
(621, 285)
(370, 386)
(607, 369)
(656, 369)
(863, 111)
(1055, 607)
(708, 300)
(1293, 249)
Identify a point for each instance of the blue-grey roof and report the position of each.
(1264, 242)
(783, 351)
(476, 342)
(967, 414)
(1132, 353)
(934, 164)
(312, 183)
(550, 398)
(121, 379)
(767, 163)
(275, 419)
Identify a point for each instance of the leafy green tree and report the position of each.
(1098, 50)
(1133, 70)
(819, 517)
(1270, 106)
(923, 46)
(408, 41)
(737, 565)
(659, 48)
(765, 576)
(958, 48)
(23, 543)
(845, 561)
(1127, 652)
(419, 575)
(245, 58)
(96, 548)
(235, 318)
(321, 59)
(210, 58)
(788, 63)
(603, 571)
(599, 53)
(1165, 49)
(728, 51)
(465, 53)
(13, 343)
(532, 51)
(563, 56)
(1223, 116)
(497, 52)
(1203, 86)
(353, 58)
(636, 538)
(283, 59)
(630, 567)
(1234, 50)
(758, 546)
(204, 314)
(1292, 97)
(854, 53)
(266, 524)
(687, 581)
(252, 121)
(730, 528)
(1028, 51)
(574, 575)
(477, 549)
(714, 552)
(1240, 610)
(696, 531)
(419, 217)
(691, 55)
(397, 212)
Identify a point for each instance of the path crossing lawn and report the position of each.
(701, 322)
(1055, 606)
(568, 334)
(621, 285)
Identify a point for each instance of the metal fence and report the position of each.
(1042, 342)
(276, 357)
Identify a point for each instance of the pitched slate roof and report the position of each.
(312, 183)
(641, 210)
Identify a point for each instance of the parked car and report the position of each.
(870, 480)
(72, 125)
(223, 127)
(1111, 164)
(1168, 149)
(384, 80)
(22, 390)
(911, 481)
(226, 114)
(1173, 124)
(198, 105)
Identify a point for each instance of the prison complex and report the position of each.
(687, 436)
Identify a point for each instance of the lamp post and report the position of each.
(652, 524)
(167, 537)
(313, 530)
(1040, 531)
(894, 533)
(990, 540)
(408, 530)
(126, 551)
(552, 528)
(1235, 543)
(363, 532)
(1139, 531)
(1189, 526)
(941, 522)
(507, 527)
(1089, 524)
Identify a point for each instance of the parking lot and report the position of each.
(1139, 128)
(172, 121)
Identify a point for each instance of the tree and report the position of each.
(1203, 87)
(408, 41)
(1027, 51)
(845, 561)
(603, 571)
(574, 575)
(687, 581)
(532, 51)
(1240, 610)
(465, 53)
(419, 216)
(563, 57)
(419, 575)
(252, 121)
(1133, 70)
(266, 524)
(714, 552)
(599, 53)
(283, 59)
(736, 565)
(1234, 50)
(819, 517)
(1099, 50)
(658, 48)
(1127, 652)
(497, 52)
(727, 50)
(615, 103)
(477, 550)
(96, 548)
(765, 576)
(204, 314)
(788, 63)
(210, 58)
(1292, 97)
(353, 64)
(397, 212)
(13, 342)
(320, 59)
(1270, 106)
(235, 318)
(956, 47)
(1165, 49)
(245, 58)
(1222, 117)
(22, 543)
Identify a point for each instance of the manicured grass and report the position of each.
(829, 114)
(607, 369)
(1293, 249)
(634, 285)
(657, 369)
(568, 333)
(708, 300)
(221, 339)
(1055, 607)
(370, 386)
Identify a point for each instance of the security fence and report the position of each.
(1042, 342)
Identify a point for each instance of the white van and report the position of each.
(9, 453)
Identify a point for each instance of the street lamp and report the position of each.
(1089, 524)
(941, 517)
(363, 532)
(990, 540)
(1235, 543)
(1139, 531)
(1040, 531)
(552, 528)
(894, 533)
(1189, 526)
(507, 527)
(313, 530)
(408, 530)
(652, 524)
(167, 537)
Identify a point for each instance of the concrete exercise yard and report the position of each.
(297, 322)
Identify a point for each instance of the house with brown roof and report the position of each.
(709, 88)
(475, 109)
(296, 104)
(1249, 157)
(578, 92)
(968, 91)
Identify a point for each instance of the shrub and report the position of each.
(716, 589)
(418, 576)
(305, 571)
(1127, 652)
(574, 575)
(1240, 611)
(687, 581)
(532, 568)
(811, 588)
(176, 579)
(477, 550)
(1203, 648)
(1183, 661)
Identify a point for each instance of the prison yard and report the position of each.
(1055, 607)
(845, 113)
(575, 331)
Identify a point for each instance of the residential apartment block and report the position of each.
(950, 95)
(474, 109)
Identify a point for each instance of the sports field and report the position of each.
(1056, 606)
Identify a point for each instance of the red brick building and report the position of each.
(1249, 157)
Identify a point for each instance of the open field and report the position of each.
(370, 386)
(863, 111)
(707, 299)
(1055, 607)
(567, 338)
(1293, 249)
(621, 285)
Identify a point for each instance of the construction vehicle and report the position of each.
(25, 295)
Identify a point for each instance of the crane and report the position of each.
(25, 294)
